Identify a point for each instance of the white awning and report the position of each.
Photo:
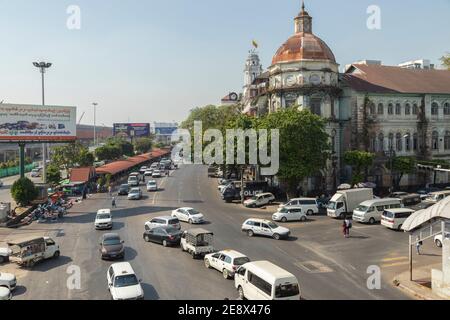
(419, 218)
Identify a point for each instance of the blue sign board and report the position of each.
(130, 130)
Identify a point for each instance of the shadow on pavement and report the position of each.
(51, 263)
(19, 290)
(149, 292)
(130, 253)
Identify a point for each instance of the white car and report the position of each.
(148, 173)
(308, 205)
(289, 214)
(226, 261)
(156, 174)
(103, 220)
(5, 294)
(143, 169)
(189, 215)
(134, 194)
(152, 185)
(163, 222)
(438, 239)
(259, 200)
(123, 283)
(5, 254)
(266, 228)
(8, 280)
(35, 173)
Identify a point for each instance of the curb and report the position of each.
(410, 291)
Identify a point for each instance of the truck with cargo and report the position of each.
(345, 201)
(27, 252)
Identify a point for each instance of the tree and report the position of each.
(360, 162)
(304, 144)
(23, 191)
(446, 61)
(400, 167)
(143, 145)
(86, 158)
(72, 155)
(53, 174)
(108, 152)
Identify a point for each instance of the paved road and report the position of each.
(327, 265)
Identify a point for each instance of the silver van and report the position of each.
(370, 211)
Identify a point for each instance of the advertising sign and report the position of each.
(34, 123)
(129, 130)
(165, 130)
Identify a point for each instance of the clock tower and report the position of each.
(252, 70)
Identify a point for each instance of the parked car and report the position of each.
(425, 192)
(8, 280)
(370, 211)
(438, 239)
(259, 200)
(29, 251)
(133, 181)
(289, 214)
(156, 174)
(152, 185)
(226, 261)
(135, 194)
(163, 222)
(307, 205)
(322, 202)
(409, 200)
(197, 242)
(189, 215)
(4, 255)
(435, 197)
(103, 219)
(263, 280)
(111, 246)
(142, 169)
(266, 228)
(123, 190)
(36, 173)
(166, 235)
(5, 294)
(394, 218)
(123, 284)
(148, 173)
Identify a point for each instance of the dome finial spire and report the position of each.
(303, 5)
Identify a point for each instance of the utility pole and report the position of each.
(42, 66)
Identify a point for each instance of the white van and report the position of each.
(394, 218)
(307, 205)
(133, 181)
(262, 280)
(370, 211)
(435, 197)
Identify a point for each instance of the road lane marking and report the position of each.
(394, 264)
(394, 259)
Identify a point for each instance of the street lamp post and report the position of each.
(95, 104)
(43, 66)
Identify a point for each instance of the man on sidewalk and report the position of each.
(418, 245)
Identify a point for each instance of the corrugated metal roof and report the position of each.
(82, 174)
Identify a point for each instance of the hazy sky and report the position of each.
(155, 60)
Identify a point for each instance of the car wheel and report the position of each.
(284, 220)
(372, 221)
(207, 264)
(193, 255)
(276, 236)
(164, 243)
(56, 254)
(2, 259)
(303, 219)
(310, 212)
(250, 233)
(190, 221)
(241, 293)
(400, 227)
(438, 243)
(147, 239)
(226, 274)
(342, 216)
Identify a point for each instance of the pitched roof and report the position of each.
(82, 174)
(388, 79)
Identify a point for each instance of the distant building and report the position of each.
(85, 133)
(163, 131)
(417, 64)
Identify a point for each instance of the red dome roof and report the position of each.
(303, 46)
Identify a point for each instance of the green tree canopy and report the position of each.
(402, 166)
(108, 152)
(23, 191)
(360, 161)
(72, 155)
(53, 174)
(143, 145)
(446, 61)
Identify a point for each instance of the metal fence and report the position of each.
(16, 170)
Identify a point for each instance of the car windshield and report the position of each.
(135, 190)
(362, 208)
(240, 261)
(284, 210)
(151, 183)
(171, 230)
(286, 290)
(192, 212)
(332, 205)
(436, 197)
(125, 281)
(388, 214)
(272, 225)
(124, 186)
(254, 198)
(103, 216)
(132, 178)
(111, 241)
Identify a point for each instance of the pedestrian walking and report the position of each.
(348, 226)
(418, 245)
(344, 229)
(110, 190)
(114, 205)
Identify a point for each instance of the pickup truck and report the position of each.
(197, 242)
(27, 252)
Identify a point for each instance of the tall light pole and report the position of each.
(95, 104)
(43, 66)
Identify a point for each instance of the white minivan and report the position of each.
(394, 218)
(308, 205)
(370, 211)
(262, 280)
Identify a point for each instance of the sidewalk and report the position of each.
(420, 287)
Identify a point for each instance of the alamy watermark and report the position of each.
(231, 149)
(73, 22)
(374, 19)
(374, 280)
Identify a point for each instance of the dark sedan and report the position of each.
(124, 189)
(167, 236)
(111, 246)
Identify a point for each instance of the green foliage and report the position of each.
(23, 191)
(402, 166)
(446, 61)
(72, 155)
(101, 181)
(114, 149)
(86, 158)
(143, 145)
(360, 162)
(53, 175)
(108, 178)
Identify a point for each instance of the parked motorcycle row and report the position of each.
(50, 211)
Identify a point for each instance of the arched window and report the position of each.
(371, 108)
(447, 109)
(391, 141)
(447, 140)
(381, 142)
(399, 141)
(390, 108)
(408, 142)
(435, 140)
(415, 142)
(380, 108)
(415, 109)
(434, 109)
(407, 109)
(398, 109)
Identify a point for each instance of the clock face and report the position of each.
(290, 80)
(233, 96)
(315, 79)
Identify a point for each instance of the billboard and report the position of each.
(129, 130)
(165, 130)
(36, 123)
